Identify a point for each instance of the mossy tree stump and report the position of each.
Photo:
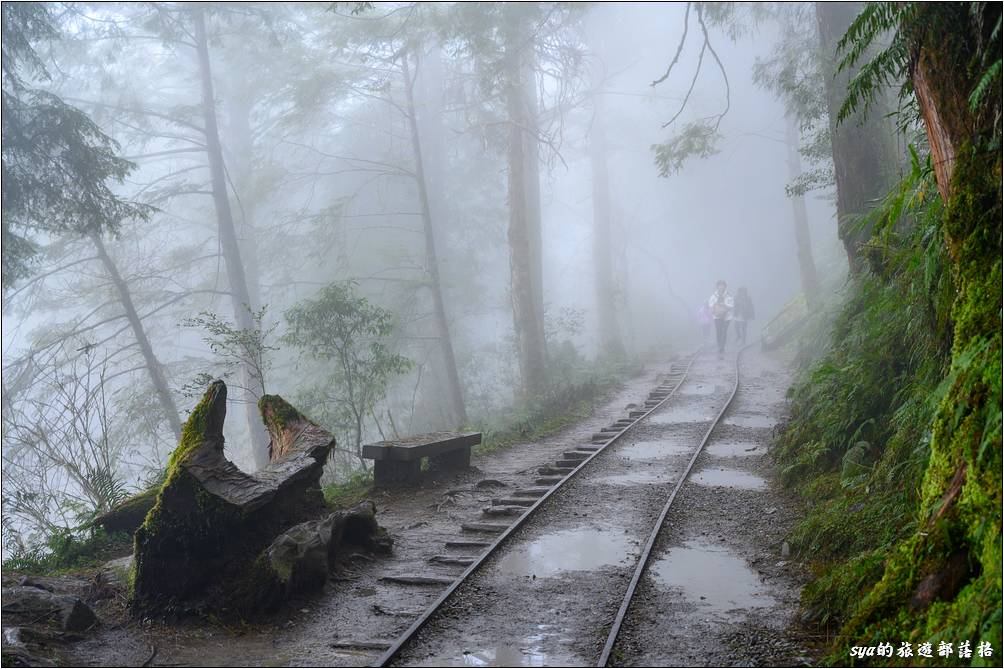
(211, 521)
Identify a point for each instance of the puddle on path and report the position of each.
(576, 549)
(735, 449)
(530, 651)
(751, 420)
(711, 577)
(646, 476)
(653, 450)
(728, 478)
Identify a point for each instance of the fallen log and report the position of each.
(204, 544)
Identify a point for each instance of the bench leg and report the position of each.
(458, 459)
(389, 473)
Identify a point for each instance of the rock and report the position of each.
(210, 523)
(488, 483)
(300, 558)
(26, 605)
(943, 584)
(117, 570)
(785, 550)
(855, 461)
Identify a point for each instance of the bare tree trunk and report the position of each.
(606, 312)
(456, 399)
(526, 315)
(229, 242)
(241, 143)
(532, 177)
(153, 366)
(803, 242)
(860, 144)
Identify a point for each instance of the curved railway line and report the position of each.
(433, 637)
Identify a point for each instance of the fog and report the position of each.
(316, 174)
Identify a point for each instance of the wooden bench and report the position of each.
(399, 462)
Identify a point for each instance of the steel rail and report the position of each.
(647, 552)
(420, 622)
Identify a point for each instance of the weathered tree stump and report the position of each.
(201, 545)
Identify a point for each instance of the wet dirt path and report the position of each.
(360, 612)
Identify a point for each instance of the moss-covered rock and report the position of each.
(300, 558)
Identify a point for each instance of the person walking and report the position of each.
(704, 320)
(721, 305)
(743, 313)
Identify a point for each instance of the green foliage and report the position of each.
(576, 389)
(695, 139)
(932, 501)
(880, 381)
(56, 161)
(66, 550)
(350, 336)
(967, 38)
(236, 349)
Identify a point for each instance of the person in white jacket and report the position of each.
(721, 305)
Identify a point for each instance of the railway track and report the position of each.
(435, 637)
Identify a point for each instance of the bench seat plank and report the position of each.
(419, 446)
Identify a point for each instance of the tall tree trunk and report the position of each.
(606, 312)
(240, 140)
(861, 151)
(526, 315)
(943, 102)
(456, 399)
(803, 242)
(229, 242)
(532, 176)
(153, 366)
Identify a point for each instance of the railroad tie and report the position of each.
(538, 491)
(513, 501)
(466, 544)
(503, 510)
(453, 560)
(409, 579)
(485, 528)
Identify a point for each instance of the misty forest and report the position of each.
(476, 334)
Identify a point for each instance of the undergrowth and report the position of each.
(65, 550)
(904, 401)
(576, 390)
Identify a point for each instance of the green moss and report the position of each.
(349, 493)
(69, 551)
(277, 413)
(929, 510)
